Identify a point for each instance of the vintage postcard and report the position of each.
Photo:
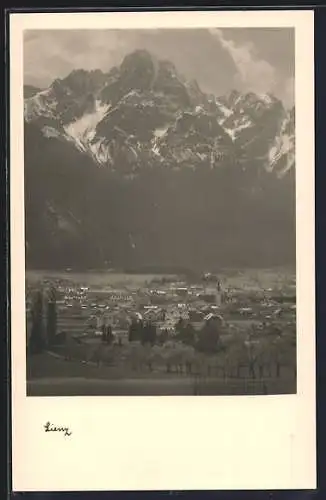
(162, 251)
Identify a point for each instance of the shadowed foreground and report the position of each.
(48, 376)
(155, 387)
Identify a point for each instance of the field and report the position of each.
(247, 279)
(92, 278)
(50, 376)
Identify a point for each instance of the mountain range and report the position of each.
(139, 168)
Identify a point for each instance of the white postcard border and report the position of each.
(169, 443)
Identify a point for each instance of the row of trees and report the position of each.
(206, 340)
(143, 332)
(43, 326)
(270, 358)
(251, 352)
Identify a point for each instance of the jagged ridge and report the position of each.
(183, 168)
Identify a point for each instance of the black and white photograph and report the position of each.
(160, 211)
(162, 251)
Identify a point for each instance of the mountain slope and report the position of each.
(30, 91)
(282, 153)
(138, 167)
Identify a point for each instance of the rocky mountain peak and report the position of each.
(137, 70)
(80, 81)
(145, 111)
(30, 90)
(230, 98)
(191, 176)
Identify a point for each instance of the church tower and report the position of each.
(218, 294)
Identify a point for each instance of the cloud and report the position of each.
(288, 94)
(55, 53)
(249, 60)
(253, 74)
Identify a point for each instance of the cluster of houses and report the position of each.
(84, 310)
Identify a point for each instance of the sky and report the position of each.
(260, 60)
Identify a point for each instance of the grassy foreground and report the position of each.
(51, 376)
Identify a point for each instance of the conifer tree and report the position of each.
(51, 325)
(36, 341)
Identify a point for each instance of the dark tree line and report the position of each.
(37, 338)
(185, 332)
(107, 335)
(206, 340)
(51, 320)
(209, 338)
(144, 332)
(43, 330)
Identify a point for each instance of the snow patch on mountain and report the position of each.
(226, 111)
(104, 150)
(156, 149)
(136, 122)
(50, 132)
(265, 98)
(283, 149)
(231, 133)
(83, 129)
(281, 156)
(238, 125)
(101, 151)
(160, 132)
(41, 104)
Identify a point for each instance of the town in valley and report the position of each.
(232, 331)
